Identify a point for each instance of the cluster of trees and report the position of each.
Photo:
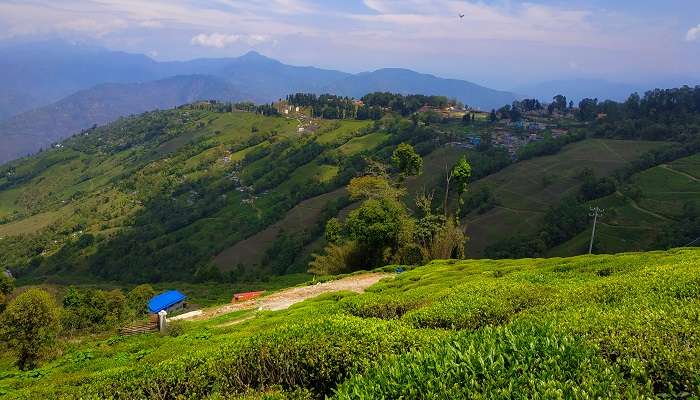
(31, 322)
(326, 106)
(685, 232)
(515, 111)
(549, 146)
(405, 104)
(382, 230)
(559, 105)
(94, 309)
(669, 114)
(372, 106)
(561, 223)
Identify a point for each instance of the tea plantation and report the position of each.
(622, 326)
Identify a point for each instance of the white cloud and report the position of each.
(217, 40)
(220, 40)
(151, 23)
(693, 34)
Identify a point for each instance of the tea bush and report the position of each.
(623, 326)
(522, 361)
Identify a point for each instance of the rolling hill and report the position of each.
(28, 132)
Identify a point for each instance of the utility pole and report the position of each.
(595, 213)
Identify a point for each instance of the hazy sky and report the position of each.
(500, 43)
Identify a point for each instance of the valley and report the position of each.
(341, 200)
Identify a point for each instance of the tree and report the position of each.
(29, 326)
(7, 285)
(459, 172)
(588, 109)
(376, 223)
(406, 160)
(373, 187)
(560, 103)
(333, 231)
(138, 297)
(493, 117)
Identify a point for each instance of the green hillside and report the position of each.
(624, 326)
(524, 191)
(655, 200)
(178, 185)
(217, 192)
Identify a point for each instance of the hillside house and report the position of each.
(169, 302)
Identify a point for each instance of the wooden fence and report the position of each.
(150, 326)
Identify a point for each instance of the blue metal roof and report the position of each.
(165, 300)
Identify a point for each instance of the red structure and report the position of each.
(239, 297)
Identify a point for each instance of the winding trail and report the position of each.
(669, 168)
(285, 298)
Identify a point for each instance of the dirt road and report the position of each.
(285, 298)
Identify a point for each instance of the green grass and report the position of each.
(344, 130)
(363, 143)
(623, 326)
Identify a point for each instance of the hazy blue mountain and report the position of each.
(273, 80)
(36, 74)
(30, 131)
(410, 82)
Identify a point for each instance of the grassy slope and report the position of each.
(630, 225)
(47, 199)
(600, 326)
(522, 196)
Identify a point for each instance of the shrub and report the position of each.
(316, 356)
(29, 326)
(526, 361)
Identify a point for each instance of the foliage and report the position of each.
(548, 146)
(670, 114)
(373, 187)
(95, 309)
(406, 160)
(495, 363)
(7, 285)
(138, 297)
(333, 230)
(29, 326)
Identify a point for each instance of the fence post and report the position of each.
(162, 321)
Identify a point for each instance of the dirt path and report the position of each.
(681, 173)
(285, 298)
(644, 210)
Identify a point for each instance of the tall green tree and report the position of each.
(406, 160)
(7, 285)
(30, 325)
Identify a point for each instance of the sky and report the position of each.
(501, 43)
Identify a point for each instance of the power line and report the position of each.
(595, 213)
(696, 239)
